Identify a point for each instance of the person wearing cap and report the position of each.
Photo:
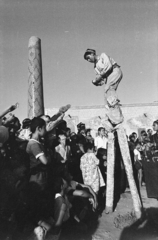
(81, 126)
(108, 72)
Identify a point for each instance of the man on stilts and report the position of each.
(109, 73)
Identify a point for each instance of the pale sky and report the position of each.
(127, 30)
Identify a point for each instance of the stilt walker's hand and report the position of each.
(94, 82)
(98, 83)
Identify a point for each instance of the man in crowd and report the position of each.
(101, 141)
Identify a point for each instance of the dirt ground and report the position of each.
(121, 226)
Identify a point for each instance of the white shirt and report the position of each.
(100, 142)
(62, 154)
(103, 64)
(137, 153)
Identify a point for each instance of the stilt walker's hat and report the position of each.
(89, 51)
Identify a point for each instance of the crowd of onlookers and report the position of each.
(140, 148)
(51, 177)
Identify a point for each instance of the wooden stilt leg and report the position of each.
(110, 174)
(129, 171)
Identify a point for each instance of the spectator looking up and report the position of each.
(36, 151)
(101, 141)
(62, 151)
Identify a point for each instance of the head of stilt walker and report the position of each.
(90, 52)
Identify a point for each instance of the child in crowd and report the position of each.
(82, 199)
(38, 193)
(61, 205)
(89, 136)
(51, 227)
(90, 170)
(102, 156)
(138, 163)
(35, 149)
(77, 189)
(62, 151)
(101, 140)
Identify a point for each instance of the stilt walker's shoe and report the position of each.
(114, 113)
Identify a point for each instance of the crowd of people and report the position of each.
(51, 177)
(143, 149)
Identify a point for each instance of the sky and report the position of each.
(126, 30)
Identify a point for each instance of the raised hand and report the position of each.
(13, 107)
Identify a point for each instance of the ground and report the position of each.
(121, 226)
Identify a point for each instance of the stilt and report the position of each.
(110, 173)
(129, 171)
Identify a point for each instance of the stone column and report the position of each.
(35, 79)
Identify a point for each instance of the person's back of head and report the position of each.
(88, 132)
(37, 123)
(58, 184)
(101, 153)
(89, 147)
(46, 118)
(26, 123)
(61, 127)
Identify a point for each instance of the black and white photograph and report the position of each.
(78, 120)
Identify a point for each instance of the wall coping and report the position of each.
(102, 106)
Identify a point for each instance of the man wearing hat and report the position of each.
(108, 72)
(81, 126)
